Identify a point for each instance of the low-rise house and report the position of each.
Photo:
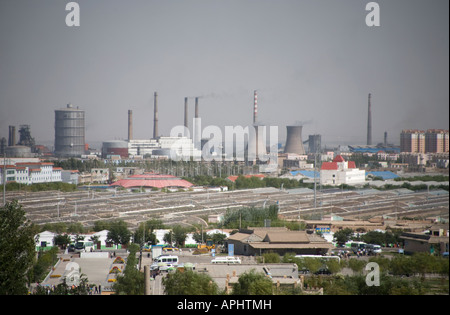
(257, 241)
(434, 241)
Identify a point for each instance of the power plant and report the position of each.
(69, 132)
(294, 143)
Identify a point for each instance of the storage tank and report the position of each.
(294, 143)
(19, 151)
(69, 132)
(115, 147)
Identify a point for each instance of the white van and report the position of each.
(226, 260)
(164, 262)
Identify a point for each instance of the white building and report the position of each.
(180, 148)
(340, 172)
(142, 147)
(31, 173)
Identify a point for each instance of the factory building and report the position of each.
(340, 172)
(115, 147)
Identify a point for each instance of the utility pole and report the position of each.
(4, 179)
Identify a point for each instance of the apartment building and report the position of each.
(420, 141)
(412, 140)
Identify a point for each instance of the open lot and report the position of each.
(186, 207)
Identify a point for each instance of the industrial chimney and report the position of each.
(155, 115)
(294, 143)
(12, 136)
(369, 123)
(255, 106)
(130, 125)
(186, 124)
(196, 128)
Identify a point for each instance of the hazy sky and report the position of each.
(313, 61)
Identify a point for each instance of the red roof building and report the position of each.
(151, 180)
(340, 172)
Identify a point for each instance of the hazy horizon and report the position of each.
(311, 61)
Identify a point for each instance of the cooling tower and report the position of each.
(69, 132)
(294, 143)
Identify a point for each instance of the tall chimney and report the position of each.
(196, 128)
(155, 119)
(12, 136)
(130, 125)
(255, 106)
(369, 123)
(196, 107)
(186, 124)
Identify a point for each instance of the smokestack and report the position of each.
(255, 106)
(12, 136)
(196, 128)
(130, 125)
(369, 123)
(186, 124)
(196, 107)
(155, 119)
(385, 138)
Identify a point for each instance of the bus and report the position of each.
(164, 262)
(357, 246)
(325, 258)
(226, 260)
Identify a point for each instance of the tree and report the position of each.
(132, 281)
(253, 283)
(62, 240)
(118, 233)
(189, 283)
(143, 231)
(179, 235)
(17, 249)
(356, 265)
(168, 238)
(343, 236)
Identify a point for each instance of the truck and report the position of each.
(209, 245)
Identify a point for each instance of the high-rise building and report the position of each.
(419, 141)
(412, 141)
(436, 141)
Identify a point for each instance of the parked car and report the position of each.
(323, 271)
